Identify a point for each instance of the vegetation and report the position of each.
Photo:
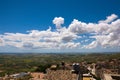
(14, 63)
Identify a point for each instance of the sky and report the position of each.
(47, 26)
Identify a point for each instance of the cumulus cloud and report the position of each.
(109, 19)
(58, 21)
(46, 39)
(77, 26)
(105, 33)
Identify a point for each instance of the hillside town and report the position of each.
(102, 70)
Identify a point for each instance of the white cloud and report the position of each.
(36, 39)
(104, 34)
(109, 19)
(58, 21)
(110, 40)
(77, 26)
(66, 35)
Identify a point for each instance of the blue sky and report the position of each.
(69, 25)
